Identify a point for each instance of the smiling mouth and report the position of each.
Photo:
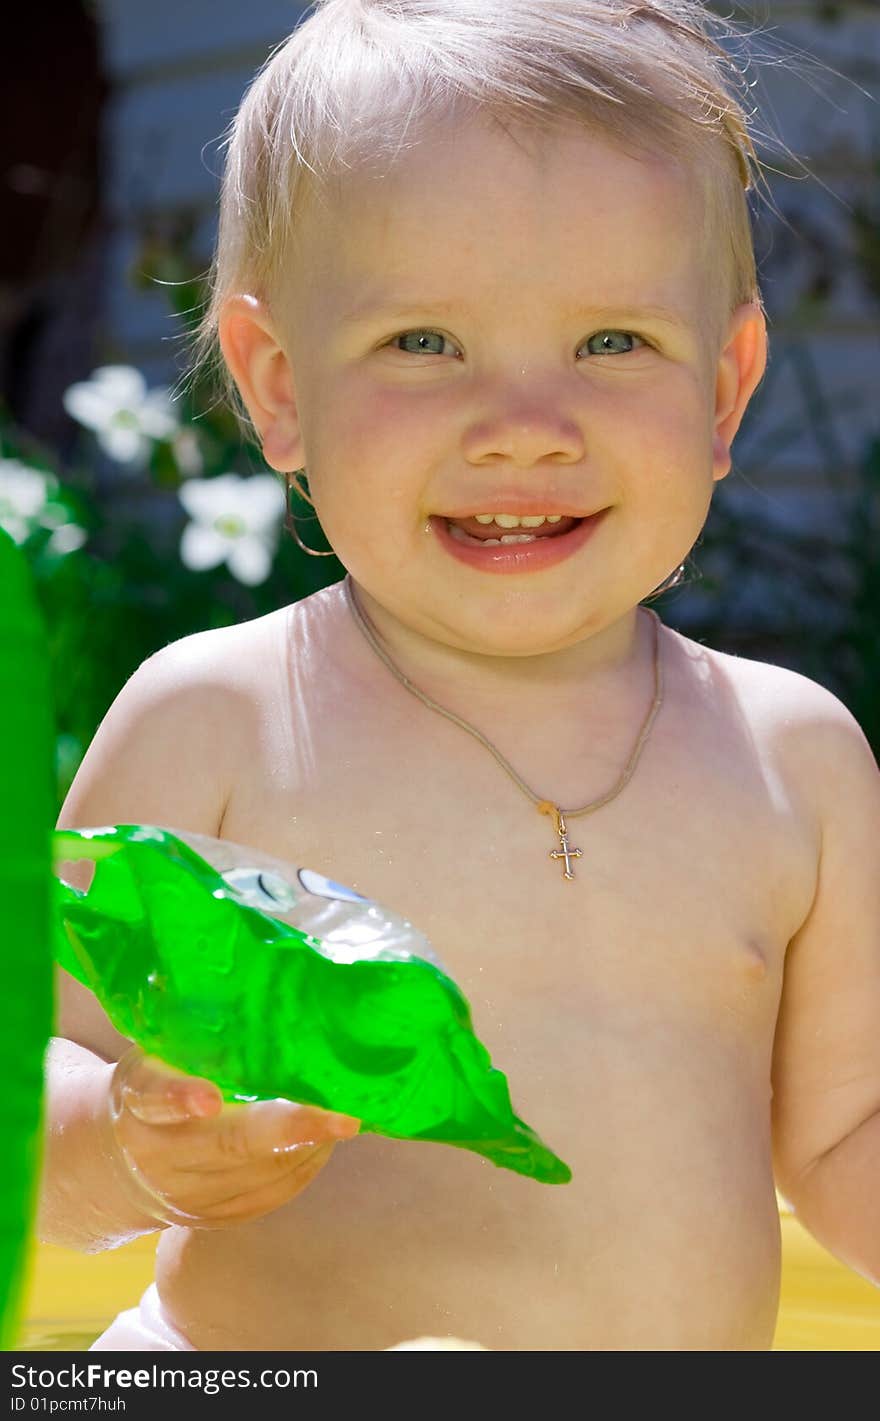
(470, 532)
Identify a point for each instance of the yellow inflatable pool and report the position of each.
(71, 1297)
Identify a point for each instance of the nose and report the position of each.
(524, 428)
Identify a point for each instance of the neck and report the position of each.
(607, 667)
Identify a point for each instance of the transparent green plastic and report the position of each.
(27, 803)
(220, 989)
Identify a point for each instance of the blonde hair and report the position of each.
(358, 80)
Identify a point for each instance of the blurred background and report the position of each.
(145, 518)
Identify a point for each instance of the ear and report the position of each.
(741, 366)
(261, 370)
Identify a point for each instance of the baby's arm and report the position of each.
(169, 1151)
(826, 1066)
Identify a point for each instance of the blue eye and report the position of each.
(421, 337)
(604, 336)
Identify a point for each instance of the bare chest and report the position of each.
(632, 1010)
(686, 890)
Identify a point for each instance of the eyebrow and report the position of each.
(362, 315)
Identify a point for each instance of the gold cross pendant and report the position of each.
(563, 852)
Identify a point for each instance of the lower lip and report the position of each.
(519, 557)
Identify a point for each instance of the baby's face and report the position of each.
(501, 326)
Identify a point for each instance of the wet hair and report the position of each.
(358, 81)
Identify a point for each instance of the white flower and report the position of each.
(23, 494)
(66, 538)
(24, 505)
(126, 417)
(187, 453)
(234, 520)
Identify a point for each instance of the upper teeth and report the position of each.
(512, 520)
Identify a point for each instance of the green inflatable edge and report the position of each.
(27, 802)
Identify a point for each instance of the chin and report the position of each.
(529, 640)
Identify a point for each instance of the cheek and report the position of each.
(367, 492)
(373, 455)
(375, 424)
(671, 502)
(374, 428)
(672, 443)
(669, 482)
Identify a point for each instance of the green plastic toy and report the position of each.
(27, 802)
(277, 982)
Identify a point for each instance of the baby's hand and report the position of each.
(199, 1161)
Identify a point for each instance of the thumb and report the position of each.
(159, 1094)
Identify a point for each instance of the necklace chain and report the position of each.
(544, 806)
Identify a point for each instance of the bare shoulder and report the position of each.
(165, 746)
(808, 731)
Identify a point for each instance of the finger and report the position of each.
(243, 1134)
(158, 1094)
(243, 1206)
(200, 1189)
(313, 1123)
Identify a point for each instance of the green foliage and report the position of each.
(126, 592)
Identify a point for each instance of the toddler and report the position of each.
(485, 273)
